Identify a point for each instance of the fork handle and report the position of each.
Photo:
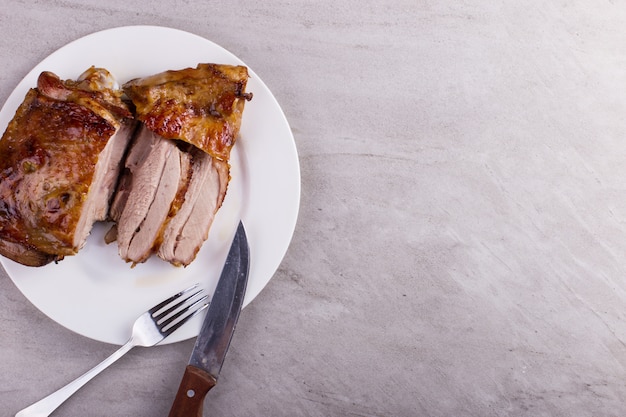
(47, 405)
(193, 388)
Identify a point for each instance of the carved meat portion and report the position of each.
(187, 230)
(59, 159)
(195, 114)
(66, 162)
(166, 200)
(153, 172)
(202, 106)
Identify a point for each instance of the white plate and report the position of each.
(98, 295)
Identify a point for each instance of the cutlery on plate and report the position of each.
(149, 329)
(217, 330)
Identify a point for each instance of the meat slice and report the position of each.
(56, 157)
(152, 176)
(140, 149)
(145, 238)
(189, 228)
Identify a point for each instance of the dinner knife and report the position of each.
(217, 330)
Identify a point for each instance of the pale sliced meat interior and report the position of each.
(166, 200)
(189, 228)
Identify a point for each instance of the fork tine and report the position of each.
(163, 323)
(182, 316)
(159, 315)
(168, 301)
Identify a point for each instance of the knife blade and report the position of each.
(217, 330)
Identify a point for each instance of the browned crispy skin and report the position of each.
(202, 106)
(49, 152)
(93, 90)
(25, 254)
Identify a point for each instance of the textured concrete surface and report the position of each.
(461, 239)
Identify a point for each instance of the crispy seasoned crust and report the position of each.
(94, 89)
(201, 106)
(49, 152)
(51, 158)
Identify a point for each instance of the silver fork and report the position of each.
(149, 329)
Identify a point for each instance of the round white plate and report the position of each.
(98, 295)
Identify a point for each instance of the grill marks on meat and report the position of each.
(55, 178)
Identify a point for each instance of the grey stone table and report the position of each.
(460, 247)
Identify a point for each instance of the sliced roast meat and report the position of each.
(196, 228)
(140, 148)
(145, 238)
(145, 171)
(96, 207)
(165, 203)
(203, 107)
(54, 158)
(189, 228)
(200, 166)
(166, 200)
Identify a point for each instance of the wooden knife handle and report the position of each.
(193, 388)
